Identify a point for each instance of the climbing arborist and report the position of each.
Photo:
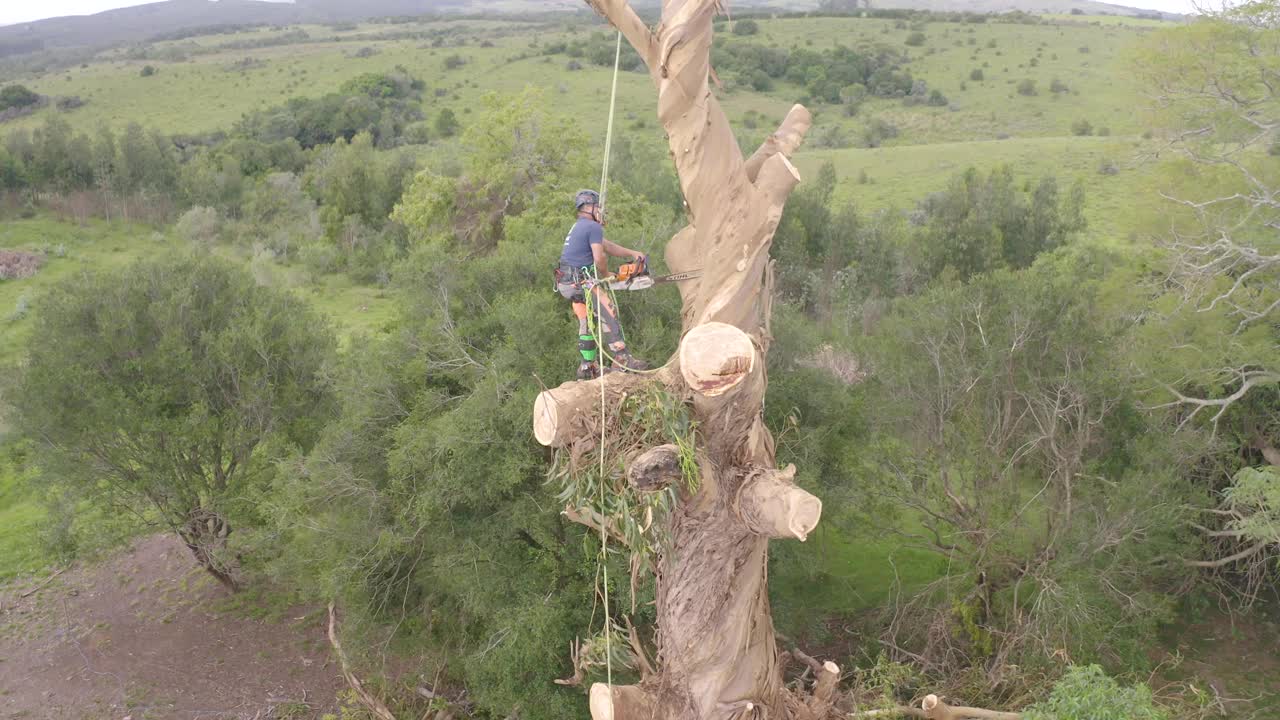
(584, 266)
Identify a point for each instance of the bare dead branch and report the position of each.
(1221, 562)
(373, 704)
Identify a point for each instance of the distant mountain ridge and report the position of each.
(141, 22)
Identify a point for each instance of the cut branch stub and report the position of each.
(655, 468)
(715, 358)
(551, 414)
(565, 413)
(619, 702)
(771, 504)
(785, 140)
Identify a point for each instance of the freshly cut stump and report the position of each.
(715, 357)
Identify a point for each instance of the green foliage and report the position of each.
(1213, 353)
(53, 157)
(976, 75)
(514, 152)
(877, 131)
(381, 104)
(822, 74)
(199, 225)
(464, 544)
(1027, 86)
(746, 26)
(1085, 692)
(1255, 495)
(352, 180)
(981, 223)
(1081, 127)
(147, 71)
(967, 373)
(597, 486)
(168, 389)
(17, 96)
(446, 123)
(915, 39)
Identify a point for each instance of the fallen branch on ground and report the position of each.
(374, 705)
(932, 708)
(41, 586)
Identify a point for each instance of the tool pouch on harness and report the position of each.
(571, 276)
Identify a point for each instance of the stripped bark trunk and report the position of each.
(716, 649)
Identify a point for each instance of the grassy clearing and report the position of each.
(69, 249)
(841, 574)
(106, 246)
(987, 122)
(881, 178)
(21, 515)
(217, 92)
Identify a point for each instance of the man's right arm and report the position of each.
(602, 260)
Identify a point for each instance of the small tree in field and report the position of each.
(166, 391)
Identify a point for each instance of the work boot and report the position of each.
(588, 370)
(626, 362)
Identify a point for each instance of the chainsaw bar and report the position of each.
(644, 282)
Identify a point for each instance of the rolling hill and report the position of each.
(144, 22)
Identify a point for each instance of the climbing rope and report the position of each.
(604, 518)
(608, 133)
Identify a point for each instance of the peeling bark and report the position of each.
(655, 469)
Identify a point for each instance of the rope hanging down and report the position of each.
(604, 536)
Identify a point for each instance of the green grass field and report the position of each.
(20, 518)
(986, 123)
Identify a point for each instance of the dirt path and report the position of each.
(147, 635)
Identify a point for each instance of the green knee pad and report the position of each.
(587, 346)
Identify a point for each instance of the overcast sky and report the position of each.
(14, 11)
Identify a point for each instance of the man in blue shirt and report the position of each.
(584, 266)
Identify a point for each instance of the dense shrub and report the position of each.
(1027, 86)
(746, 26)
(382, 104)
(182, 357)
(17, 96)
(199, 225)
(877, 131)
(1082, 127)
(915, 39)
(1087, 693)
(446, 123)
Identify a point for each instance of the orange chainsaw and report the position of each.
(635, 276)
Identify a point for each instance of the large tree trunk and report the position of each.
(716, 651)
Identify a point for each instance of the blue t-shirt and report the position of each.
(577, 244)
